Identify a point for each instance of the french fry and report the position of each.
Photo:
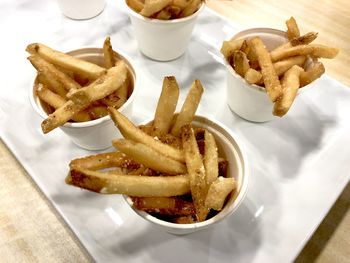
(164, 15)
(228, 48)
(52, 84)
(241, 63)
(137, 5)
(130, 131)
(315, 50)
(283, 65)
(102, 87)
(153, 6)
(97, 112)
(180, 3)
(51, 72)
(166, 106)
(211, 164)
(191, 8)
(122, 94)
(218, 192)
(51, 98)
(306, 77)
(302, 40)
(271, 81)
(292, 28)
(253, 76)
(66, 61)
(173, 10)
(290, 85)
(108, 53)
(184, 220)
(149, 157)
(142, 186)
(189, 107)
(196, 172)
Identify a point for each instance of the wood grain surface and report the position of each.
(32, 231)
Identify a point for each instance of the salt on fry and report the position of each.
(271, 81)
(290, 85)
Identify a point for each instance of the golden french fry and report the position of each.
(136, 5)
(52, 84)
(290, 85)
(253, 76)
(292, 28)
(306, 77)
(101, 87)
(189, 107)
(180, 3)
(166, 106)
(97, 112)
(218, 192)
(51, 72)
(271, 81)
(130, 131)
(191, 8)
(51, 98)
(283, 65)
(184, 220)
(66, 61)
(211, 164)
(132, 185)
(149, 157)
(119, 97)
(173, 10)
(108, 53)
(241, 63)
(103, 160)
(302, 40)
(196, 172)
(163, 15)
(228, 48)
(315, 50)
(153, 6)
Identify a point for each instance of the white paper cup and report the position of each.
(81, 9)
(96, 134)
(230, 148)
(251, 102)
(163, 40)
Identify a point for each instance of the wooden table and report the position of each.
(24, 238)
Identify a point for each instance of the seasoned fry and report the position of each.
(253, 76)
(282, 66)
(137, 5)
(290, 85)
(153, 6)
(142, 186)
(306, 77)
(166, 106)
(271, 81)
(102, 87)
(108, 53)
(241, 63)
(191, 8)
(51, 72)
(149, 157)
(196, 172)
(302, 40)
(211, 164)
(51, 98)
(189, 107)
(65, 61)
(315, 50)
(292, 28)
(130, 131)
(52, 84)
(218, 192)
(229, 47)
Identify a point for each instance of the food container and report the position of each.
(230, 148)
(81, 9)
(163, 40)
(251, 102)
(95, 134)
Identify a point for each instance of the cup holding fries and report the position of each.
(91, 133)
(163, 38)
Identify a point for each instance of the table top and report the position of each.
(25, 238)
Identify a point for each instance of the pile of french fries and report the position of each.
(281, 71)
(165, 9)
(169, 168)
(72, 89)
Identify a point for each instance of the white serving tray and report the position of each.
(299, 164)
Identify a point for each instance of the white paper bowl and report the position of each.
(81, 9)
(251, 102)
(163, 40)
(230, 148)
(96, 134)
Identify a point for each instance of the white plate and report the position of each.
(299, 164)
